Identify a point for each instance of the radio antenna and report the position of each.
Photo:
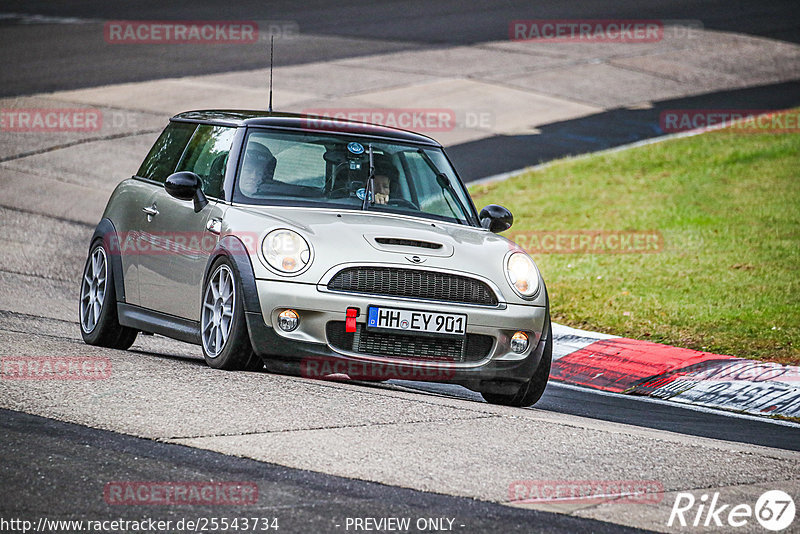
(271, 47)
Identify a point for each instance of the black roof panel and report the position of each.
(296, 121)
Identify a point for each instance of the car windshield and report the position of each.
(324, 170)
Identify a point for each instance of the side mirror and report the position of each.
(496, 218)
(186, 186)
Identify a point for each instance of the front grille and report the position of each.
(472, 348)
(412, 283)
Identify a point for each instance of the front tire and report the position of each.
(223, 329)
(98, 304)
(531, 391)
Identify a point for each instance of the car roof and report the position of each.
(302, 122)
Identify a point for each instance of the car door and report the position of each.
(132, 223)
(171, 277)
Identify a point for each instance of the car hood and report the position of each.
(346, 236)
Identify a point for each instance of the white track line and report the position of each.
(26, 18)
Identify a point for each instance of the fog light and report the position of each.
(519, 342)
(288, 320)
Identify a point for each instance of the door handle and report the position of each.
(151, 211)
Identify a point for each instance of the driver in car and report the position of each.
(386, 176)
(257, 171)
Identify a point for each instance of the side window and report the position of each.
(207, 156)
(296, 163)
(166, 151)
(293, 165)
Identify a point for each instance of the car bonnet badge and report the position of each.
(415, 259)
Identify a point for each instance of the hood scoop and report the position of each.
(409, 245)
(404, 242)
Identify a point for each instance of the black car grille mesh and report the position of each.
(472, 348)
(412, 283)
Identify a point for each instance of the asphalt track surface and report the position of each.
(70, 56)
(39, 478)
(73, 463)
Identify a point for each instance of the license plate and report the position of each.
(449, 324)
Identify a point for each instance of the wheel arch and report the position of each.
(106, 232)
(232, 248)
(235, 251)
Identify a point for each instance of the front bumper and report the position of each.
(310, 347)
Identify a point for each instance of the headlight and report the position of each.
(286, 251)
(522, 274)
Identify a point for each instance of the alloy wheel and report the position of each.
(217, 315)
(93, 289)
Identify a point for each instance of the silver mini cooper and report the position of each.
(319, 247)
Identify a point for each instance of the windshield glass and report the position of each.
(324, 170)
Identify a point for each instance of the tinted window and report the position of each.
(286, 160)
(166, 152)
(207, 156)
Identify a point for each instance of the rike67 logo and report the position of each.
(774, 510)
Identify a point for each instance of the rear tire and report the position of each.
(531, 391)
(98, 304)
(223, 328)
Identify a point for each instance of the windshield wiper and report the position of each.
(444, 183)
(369, 186)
